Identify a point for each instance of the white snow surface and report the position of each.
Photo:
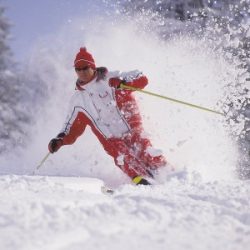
(62, 208)
(64, 213)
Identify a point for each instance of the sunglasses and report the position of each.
(82, 69)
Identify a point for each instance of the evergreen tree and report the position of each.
(12, 115)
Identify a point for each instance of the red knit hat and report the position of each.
(83, 58)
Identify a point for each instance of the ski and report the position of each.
(107, 190)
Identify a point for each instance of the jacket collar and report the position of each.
(101, 73)
(80, 84)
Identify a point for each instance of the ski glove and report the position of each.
(55, 144)
(116, 82)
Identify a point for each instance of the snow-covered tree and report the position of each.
(178, 9)
(231, 20)
(4, 49)
(12, 115)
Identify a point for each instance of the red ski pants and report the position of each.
(131, 155)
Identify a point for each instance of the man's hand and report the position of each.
(55, 144)
(116, 82)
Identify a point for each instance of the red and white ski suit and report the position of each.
(114, 117)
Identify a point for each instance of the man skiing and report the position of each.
(113, 115)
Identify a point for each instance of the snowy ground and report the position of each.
(205, 211)
(69, 213)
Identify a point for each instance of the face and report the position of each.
(85, 74)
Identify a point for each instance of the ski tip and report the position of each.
(107, 190)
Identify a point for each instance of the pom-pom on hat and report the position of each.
(83, 59)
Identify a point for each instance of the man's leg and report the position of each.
(152, 158)
(124, 158)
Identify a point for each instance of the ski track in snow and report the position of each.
(68, 213)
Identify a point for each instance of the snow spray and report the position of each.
(183, 67)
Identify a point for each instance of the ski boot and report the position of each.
(139, 180)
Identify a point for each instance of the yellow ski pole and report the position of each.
(41, 163)
(124, 86)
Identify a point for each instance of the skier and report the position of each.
(112, 113)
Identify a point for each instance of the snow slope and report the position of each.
(184, 213)
(205, 208)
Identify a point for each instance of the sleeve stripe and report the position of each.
(73, 116)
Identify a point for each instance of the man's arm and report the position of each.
(134, 79)
(75, 125)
